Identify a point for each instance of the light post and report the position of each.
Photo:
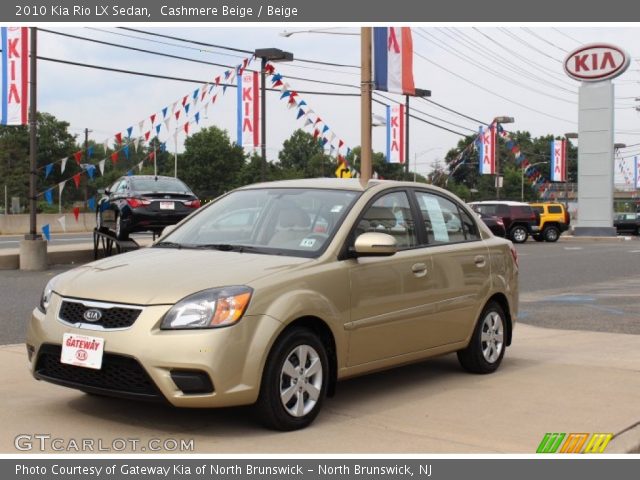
(326, 31)
(567, 136)
(419, 92)
(267, 55)
(524, 169)
(497, 121)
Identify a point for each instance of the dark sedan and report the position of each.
(144, 203)
(495, 224)
(627, 223)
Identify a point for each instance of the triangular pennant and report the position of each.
(92, 204)
(130, 131)
(61, 187)
(197, 118)
(278, 83)
(158, 127)
(316, 132)
(213, 100)
(286, 93)
(140, 167)
(48, 169)
(218, 78)
(106, 146)
(90, 151)
(46, 232)
(153, 119)
(48, 196)
(173, 107)
(186, 108)
(152, 155)
(119, 138)
(147, 134)
(76, 179)
(63, 223)
(163, 147)
(302, 103)
(325, 129)
(300, 114)
(101, 166)
(140, 127)
(177, 115)
(77, 156)
(91, 171)
(129, 173)
(186, 128)
(76, 212)
(184, 100)
(114, 157)
(164, 112)
(136, 142)
(269, 68)
(167, 122)
(126, 151)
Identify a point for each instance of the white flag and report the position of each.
(61, 186)
(63, 165)
(101, 166)
(63, 222)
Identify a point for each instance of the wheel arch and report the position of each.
(501, 299)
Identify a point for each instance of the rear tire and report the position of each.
(294, 382)
(121, 232)
(488, 343)
(518, 234)
(551, 234)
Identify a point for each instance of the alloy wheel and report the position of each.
(301, 380)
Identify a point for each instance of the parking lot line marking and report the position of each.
(573, 248)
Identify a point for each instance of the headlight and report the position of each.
(47, 293)
(213, 308)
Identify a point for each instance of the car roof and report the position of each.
(352, 184)
(500, 202)
(151, 177)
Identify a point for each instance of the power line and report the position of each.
(454, 111)
(527, 44)
(425, 121)
(566, 35)
(233, 49)
(539, 37)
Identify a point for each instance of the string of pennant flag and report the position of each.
(192, 105)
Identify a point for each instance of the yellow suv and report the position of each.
(554, 219)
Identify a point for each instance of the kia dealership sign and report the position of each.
(596, 62)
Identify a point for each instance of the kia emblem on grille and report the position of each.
(92, 315)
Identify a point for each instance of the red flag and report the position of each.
(147, 135)
(119, 138)
(218, 80)
(76, 212)
(152, 155)
(78, 157)
(213, 100)
(177, 114)
(316, 132)
(114, 157)
(186, 128)
(76, 179)
(340, 144)
(184, 100)
(269, 69)
(153, 119)
(277, 83)
(204, 92)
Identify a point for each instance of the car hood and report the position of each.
(153, 276)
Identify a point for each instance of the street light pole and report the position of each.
(33, 135)
(267, 55)
(567, 136)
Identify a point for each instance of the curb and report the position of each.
(628, 441)
(572, 238)
(61, 257)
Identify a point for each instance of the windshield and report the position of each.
(297, 222)
(169, 185)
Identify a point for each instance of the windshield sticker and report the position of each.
(308, 242)
(336, 209)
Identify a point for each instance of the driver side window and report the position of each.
(391, 214)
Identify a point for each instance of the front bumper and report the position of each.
(232, 358)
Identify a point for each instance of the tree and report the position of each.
(211, 164)
(54, 143)
(302, 156)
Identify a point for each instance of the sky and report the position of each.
(481, 72)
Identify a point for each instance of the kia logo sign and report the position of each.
(92, 315)
(596, 62)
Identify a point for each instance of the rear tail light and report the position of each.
(566, 217)
(499, 221)
(138, 202)
(193, 203)
(514, 254)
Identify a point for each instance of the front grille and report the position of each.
(119, 374)
(114, 317)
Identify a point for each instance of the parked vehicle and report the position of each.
(273, 292)
(627, 223)
(495, 224)
(519, 218)
(144, 203)
(554, 220)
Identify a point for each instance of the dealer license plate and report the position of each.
(167, 206)
(82, 351)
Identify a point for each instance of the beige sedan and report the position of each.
(275, 291)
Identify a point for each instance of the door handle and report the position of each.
(480, 261)
(419, 269)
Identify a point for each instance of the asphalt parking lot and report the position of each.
(579, 372)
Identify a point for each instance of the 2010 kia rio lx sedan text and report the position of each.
(275, 291)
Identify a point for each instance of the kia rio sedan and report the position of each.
(274, 292)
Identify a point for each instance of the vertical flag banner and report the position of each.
(558, 160)
(487, 150)
(395, 134)
(248, 109)
(393, 60)
(15, 75)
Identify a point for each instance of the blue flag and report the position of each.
(46, 232)
(164, 112)
(129, 131)
(48, 169)
(126, 151)
(48, 196)
(92, 203)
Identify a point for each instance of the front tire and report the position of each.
(551, 234)
(294, 382)
(518, 234)
(486, 349)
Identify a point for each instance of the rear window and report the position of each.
(161, 185)
(555, 209)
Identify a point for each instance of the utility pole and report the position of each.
(86, 160)
(263, 118)
(365, 105)
(175, 154)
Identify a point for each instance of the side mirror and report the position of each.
(372, 244)
(167, 230)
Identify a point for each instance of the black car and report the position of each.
(144, 203)
(495, 224)
(627, 223)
